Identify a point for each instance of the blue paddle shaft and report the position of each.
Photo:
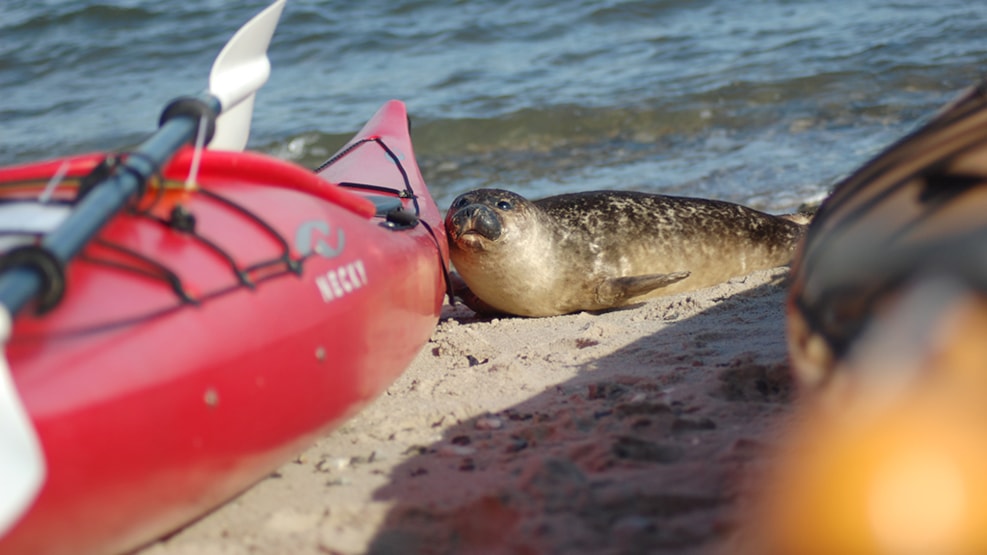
(21, 283)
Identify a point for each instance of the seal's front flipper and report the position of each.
(462, 292)
(614, 291)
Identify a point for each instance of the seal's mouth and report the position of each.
(470, 239)
(473, 225)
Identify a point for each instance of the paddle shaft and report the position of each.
(21, 283)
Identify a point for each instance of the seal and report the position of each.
(604, 249)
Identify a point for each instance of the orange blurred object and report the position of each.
(887, 325)
(900, 467)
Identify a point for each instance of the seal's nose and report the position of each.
(475, 218)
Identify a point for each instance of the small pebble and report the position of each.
(517, 444)
(323, 466)
(488, 423)
(473, 361)
(334, 463)
(455, 450)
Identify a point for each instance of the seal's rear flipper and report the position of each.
(616, 290)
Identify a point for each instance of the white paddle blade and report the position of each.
(22, 463)
(239, 71)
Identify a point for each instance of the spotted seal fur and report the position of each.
(604, 249)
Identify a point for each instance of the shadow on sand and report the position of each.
(648, 449)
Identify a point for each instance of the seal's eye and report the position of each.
(505, 205)
(459, 202)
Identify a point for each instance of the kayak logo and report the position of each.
(341, 281)
(311, 238)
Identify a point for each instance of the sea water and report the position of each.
(765, 102)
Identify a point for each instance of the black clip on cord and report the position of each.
(48, 259)
(46, 265)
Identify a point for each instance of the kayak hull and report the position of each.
(156, 402)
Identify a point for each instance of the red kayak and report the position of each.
(185, 320)
(209, 334)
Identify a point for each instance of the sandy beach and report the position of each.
(631, 431)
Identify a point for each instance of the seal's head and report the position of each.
(477, 220)
(503, 248)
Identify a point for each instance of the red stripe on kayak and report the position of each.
(266, 170)
(250, 167)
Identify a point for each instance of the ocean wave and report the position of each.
(745, 102)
